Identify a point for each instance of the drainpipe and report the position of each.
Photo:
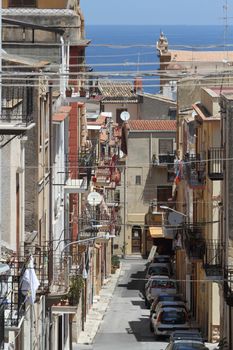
(63, 67)
(50, 183)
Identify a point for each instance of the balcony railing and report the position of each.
(77, 168)
(194, 170)
(216, 163)
(17, 107)
(164, 160)
(194, 243)
(228, 285)
(12, 298)
(212, 260)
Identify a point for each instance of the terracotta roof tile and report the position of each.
(203, 56)
(153, 125)
(111, 89)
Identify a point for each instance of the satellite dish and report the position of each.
(125, 116)
(121, 154)
(94, 198)
(175, 218)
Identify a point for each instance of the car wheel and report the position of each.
(151, 327)
(147, 304)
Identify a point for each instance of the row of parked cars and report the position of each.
(169, 313)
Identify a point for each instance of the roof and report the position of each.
(152, 125)
(23, 60)
(19, 11)
(204, 56)
(115, 90)
(62, 114)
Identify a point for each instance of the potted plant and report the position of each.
(69, 91)
(82, 92)
(115, 263)
(75, 289)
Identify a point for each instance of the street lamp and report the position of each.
(175, 211)
(87, 240)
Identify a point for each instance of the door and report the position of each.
(136, 239)
(163, 195)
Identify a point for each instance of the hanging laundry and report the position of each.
(30, 282)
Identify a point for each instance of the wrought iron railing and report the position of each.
(216, 163)
(194, 243)
(12, 297)
(194, 170)
(213, 258)
(17, 102)
(228, 285)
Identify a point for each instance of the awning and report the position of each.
(156, 232)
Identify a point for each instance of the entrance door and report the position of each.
(136, 239)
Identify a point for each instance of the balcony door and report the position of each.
(163, 195)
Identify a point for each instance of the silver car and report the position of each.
(168, 320)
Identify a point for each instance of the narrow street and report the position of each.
(126, 325)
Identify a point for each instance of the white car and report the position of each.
(158, 285)
(168, 320)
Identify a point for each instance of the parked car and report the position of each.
(164, 259)
(186, 345)
(168, 320)
(158, 269)
(156, 285)
(173, 304)
(191, 334)
(165, 304)
(165, 297)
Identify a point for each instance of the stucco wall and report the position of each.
(155, 108)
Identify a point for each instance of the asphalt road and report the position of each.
(126, 322)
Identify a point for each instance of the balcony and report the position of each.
(12, 307)
(17, 108)
(194, 243)
(215, 163)
(228, 285)
(212, 260)
(194, 171)
(163, 160)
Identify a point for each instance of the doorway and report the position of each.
(136, 239)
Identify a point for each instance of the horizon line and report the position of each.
(159, 25)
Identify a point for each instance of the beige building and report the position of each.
(147, 177)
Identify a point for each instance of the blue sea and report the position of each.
(122, 52)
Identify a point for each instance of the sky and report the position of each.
(155, 12)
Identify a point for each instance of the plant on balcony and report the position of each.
(75, 289)
(82, 92)
(69, 91)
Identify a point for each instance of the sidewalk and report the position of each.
(97, 312)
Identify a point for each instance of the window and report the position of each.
(138, 180)
(22, 3)
(165, 146)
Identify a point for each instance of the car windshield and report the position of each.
(161, 260)
(173, 316)
(163, 284)
(170, 298)
(158, 270)
(189, 346)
